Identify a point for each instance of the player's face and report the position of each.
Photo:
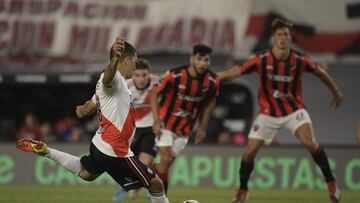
(141, 78)
(129, 64)
(200, 63)
(281, 38)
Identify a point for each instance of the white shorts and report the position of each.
(266, 127)
(170, 139)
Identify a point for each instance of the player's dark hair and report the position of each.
(128, 51)
(201, 49)
(142, 64)
(280, 23)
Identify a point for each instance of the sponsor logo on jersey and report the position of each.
(277, 94)
(280, 78)
(182, 113)
(188, 98)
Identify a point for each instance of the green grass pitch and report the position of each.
(97, 194)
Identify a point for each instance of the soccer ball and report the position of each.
(191, 201)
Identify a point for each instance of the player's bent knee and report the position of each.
(167, 159)
(156, 185)
(85, 175)
(310, 145)
(89, 179)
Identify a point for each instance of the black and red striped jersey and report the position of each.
(280, 91)
(182, 98)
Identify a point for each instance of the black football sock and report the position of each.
(245, 171)
(322, 161)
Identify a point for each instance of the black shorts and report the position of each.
(144, 141)
(128, 172)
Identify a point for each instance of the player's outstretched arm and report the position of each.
(87, 109)
(329, 82)
(157, 125)
(229, 74)
(109, 73)
(205, 117)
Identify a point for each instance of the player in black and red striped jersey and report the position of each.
(187, 95)
(280, 70)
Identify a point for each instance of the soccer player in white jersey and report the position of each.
(110, 148)
(143, 144)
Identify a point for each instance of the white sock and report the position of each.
(68, 161)
(159, 199)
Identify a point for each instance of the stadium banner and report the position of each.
(85, 30)
(206, 166)
(331, 36)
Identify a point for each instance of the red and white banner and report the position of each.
(328, 29)
(78, 30)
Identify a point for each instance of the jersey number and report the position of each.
(98, 111)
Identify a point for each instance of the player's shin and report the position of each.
(322, 161)
(245, 170)
(68, 161)
(163, 176)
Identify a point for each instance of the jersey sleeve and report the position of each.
(250, 66)
(310, 66)
(166, 82)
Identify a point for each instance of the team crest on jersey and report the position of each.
(256, 127)
(269, 67)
